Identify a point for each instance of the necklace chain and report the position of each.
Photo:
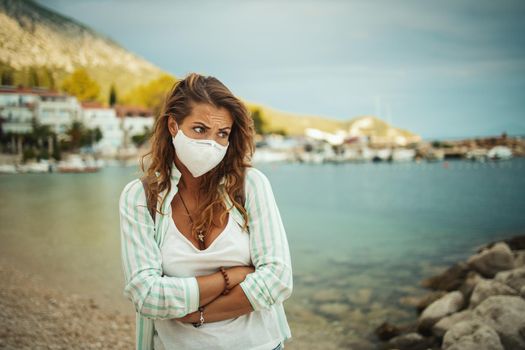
(200, 235)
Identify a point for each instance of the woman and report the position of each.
(209, 267)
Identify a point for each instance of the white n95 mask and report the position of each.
(199, 156)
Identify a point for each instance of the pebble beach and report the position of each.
(34, 316)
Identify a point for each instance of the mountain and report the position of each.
(295, 124)
(34, 36)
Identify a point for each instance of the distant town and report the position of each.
(43, 130)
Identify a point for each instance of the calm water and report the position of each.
(368, 231)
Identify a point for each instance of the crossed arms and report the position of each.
(164, 297)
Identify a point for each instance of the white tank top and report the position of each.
(257, 330)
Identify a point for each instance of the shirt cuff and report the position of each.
(194, 294)
(246, 288)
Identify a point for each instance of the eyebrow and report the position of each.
(207, 127)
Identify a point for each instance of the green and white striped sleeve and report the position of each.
(272, 280)
(153, 295)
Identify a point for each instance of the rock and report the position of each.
(334, 309)
(328, 295)
(513, 278)
(362, 296)
(487, 288)
(506, 315)
(519, 258)
(443, 325)
(410, 341)
(514, 243)
(406, 340)
(470, 282)
(449, 280)
(444, 306)
(492, 260)
(422, 302)
(471, 335)
(387, 331)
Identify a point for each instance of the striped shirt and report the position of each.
(156, 296)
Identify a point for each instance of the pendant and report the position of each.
(201, 237)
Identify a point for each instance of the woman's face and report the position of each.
(205, 122)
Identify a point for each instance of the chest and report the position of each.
(183, 224)
(180, 256)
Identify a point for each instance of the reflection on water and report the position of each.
(361, 235)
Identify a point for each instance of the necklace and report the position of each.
(200, 235)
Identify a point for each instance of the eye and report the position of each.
(198, 127)
(225, 133)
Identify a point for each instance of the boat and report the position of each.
(8, 169)
(75, 164)
(42, 166)
(477, 154)
(403, 154)
(499, 153)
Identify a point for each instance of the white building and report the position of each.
(58, 111)
(17, 109)
(95, 115)
(136, 120)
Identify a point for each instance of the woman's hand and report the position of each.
(237, 274)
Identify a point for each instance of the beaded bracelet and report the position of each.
(198, 324)
(227, 286)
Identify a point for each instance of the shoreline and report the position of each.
(35, 316)
(476, 304)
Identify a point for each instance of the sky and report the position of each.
(441, 69)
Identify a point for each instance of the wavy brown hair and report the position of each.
(196, 88)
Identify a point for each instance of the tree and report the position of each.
(140, 139)
(80, 136)
(33, 77)
(76, 134)
(151, 94)
(81, 85)
(7, 77)
(112, 95)
(258, 122)
(279, 131)
(46, 78)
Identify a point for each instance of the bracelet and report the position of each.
(226, 279)
(198, 324)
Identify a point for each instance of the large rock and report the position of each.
(506, 315)
(422, 302)
(487, 288)
(514, 243)
(492, 260)
(412, 341)
(513, 278)
(443, 325)
(469, 284)
(471, 335)
(444, 306)
(449, 280)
